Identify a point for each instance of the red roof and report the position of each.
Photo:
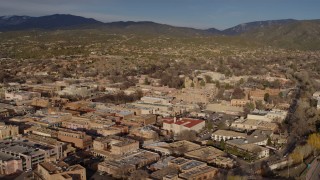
(187, 122)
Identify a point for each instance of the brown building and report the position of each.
(77, 138)
(115, 145)
(59, 171)
(258, 94)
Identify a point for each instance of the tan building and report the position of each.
(42, 131)
(211, 155)
(77, 138)
(40, 102)
(258, 94)
(178, 147)
(59, 171)
(8, 131)
(193, 169)
(113, 130)
(4, 113)
(76, 123)
(9, 164)
(254, 150)
(239, 102)
(141, 120)
(206, 172)
(114, 145)
(251, 124)
(21, 95)
(124, 165)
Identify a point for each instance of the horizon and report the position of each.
(201, 14)
(165, 23)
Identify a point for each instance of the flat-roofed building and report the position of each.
(59, 171)
(211, 155)
(239, 102)
(169, 171)
(193, 169)
(8, 131)
(140, 120)
(258, 94)
(4, 113)
(224, 107)
(226, 135)
(53, 119)
(30, 153)
(178, 147)
(254, 151)
(76, 123)
(126, 164)
(42, 131)
(114, 145)
(77, 138)
(61, 148)
(206, 172)
(9, 164)
(177, 125)
(251, 124)
(21, 95)
(113, 130)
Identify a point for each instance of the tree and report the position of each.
(146, 81)
(188, 135)
(222, 144)
(259, 105)
(266, 97)
(202, 83)
(248, 108)
(314, 141)
(208, 79)
(238, 93)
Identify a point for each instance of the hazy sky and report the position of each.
(192, 13)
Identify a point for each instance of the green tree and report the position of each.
(202, 83)
(266, 97)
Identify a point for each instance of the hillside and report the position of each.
(304, 35)
(257, 25)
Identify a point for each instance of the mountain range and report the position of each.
(287, 32)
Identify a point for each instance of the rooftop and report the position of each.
(187, 122)
(229, 133)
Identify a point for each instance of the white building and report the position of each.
(74, 90)
(226, 135)
(177, 125)
(21, 95)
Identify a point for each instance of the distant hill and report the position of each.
(297, 35)
(247, 27)
(287, 33)
(152, 28)
(9, 23)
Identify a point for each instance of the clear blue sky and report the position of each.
(220, 14)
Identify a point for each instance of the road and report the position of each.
(314, 171)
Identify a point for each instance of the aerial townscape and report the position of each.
(82, 99)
